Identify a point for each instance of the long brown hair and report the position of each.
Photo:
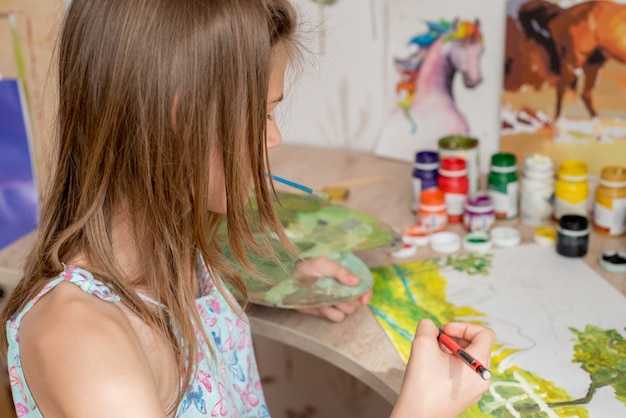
(123, 65)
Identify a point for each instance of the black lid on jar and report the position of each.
(573, 225)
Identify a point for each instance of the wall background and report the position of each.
(345, 97)
(27, 33)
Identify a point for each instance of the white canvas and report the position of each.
(531, 298)
(478, 105)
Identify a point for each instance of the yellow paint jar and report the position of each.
(609, 210)
(571, 190)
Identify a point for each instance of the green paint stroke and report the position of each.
(406, 293)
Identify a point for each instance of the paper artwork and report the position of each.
(443, 74)
(564, 81)
(19, 207)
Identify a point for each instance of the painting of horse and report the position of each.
(564, 81)
(583, 36)
(425, 90)
(575, 43)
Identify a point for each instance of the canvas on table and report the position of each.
(443, 75)
(560, 343)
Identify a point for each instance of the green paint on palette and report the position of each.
(285, 288)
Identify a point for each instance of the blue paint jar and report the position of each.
(424, 175)
(572, 236)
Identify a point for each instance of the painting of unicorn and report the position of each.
(425, 90)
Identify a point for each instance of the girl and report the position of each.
(166, 112)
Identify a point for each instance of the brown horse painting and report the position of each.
(574, 39)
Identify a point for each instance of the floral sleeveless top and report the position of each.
(225, 384)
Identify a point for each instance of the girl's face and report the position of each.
(217, 188)
(274, 96)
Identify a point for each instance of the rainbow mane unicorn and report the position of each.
(426, 75)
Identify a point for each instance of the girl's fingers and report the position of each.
(476, 338)
(325, 267)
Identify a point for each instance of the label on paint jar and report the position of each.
(433, 221)
(454, 204)
(478, 222)
(537, 202)
(610, 220)
(505, 202)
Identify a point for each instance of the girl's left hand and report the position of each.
(323, 266)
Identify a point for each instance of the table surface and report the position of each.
(380, 187)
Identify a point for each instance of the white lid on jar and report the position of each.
(445, 242)
(538, 162)
(407, 250)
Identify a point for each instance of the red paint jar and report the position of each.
(454, 183)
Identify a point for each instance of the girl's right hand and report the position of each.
(436, 383)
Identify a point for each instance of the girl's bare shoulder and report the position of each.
(73, 343)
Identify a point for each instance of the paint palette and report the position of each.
(316, 228)
(286, 288)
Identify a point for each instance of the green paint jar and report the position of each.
(503, 185)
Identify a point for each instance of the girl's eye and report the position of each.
(270, 117)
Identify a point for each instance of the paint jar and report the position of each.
(464, 147)
(571, 190)
(431, 212)
(454, 183)
(479, 214)
(537, 190)
(477, 242)
(613, 261)
(503, 185)
(572, 237)
(609, 210)
(424, 174)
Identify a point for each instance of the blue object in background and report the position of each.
(19, 208)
